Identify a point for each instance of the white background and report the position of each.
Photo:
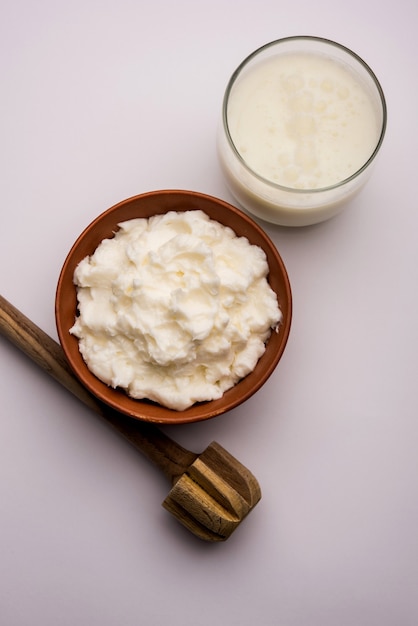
(102, 100)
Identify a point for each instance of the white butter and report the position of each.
(175, 308)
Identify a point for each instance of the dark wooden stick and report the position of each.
(212, 492)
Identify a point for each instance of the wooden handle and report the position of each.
(169, 456)
(212, 492)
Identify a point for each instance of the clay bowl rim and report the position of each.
(145, 205)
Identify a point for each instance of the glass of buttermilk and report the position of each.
(303, 119)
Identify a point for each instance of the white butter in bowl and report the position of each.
(174, 308)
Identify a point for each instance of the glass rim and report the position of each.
(331, 43)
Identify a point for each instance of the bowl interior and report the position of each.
(146, 205)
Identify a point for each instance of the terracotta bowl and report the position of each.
(146, 205)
